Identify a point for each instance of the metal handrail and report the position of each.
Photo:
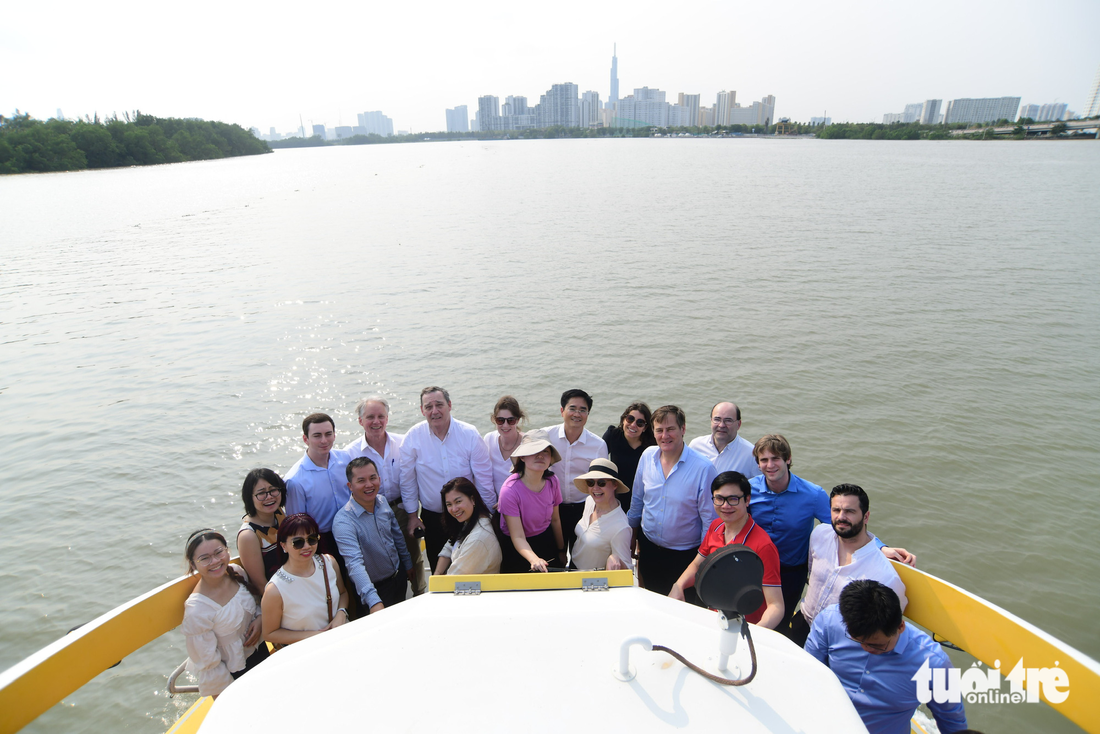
(173, 688)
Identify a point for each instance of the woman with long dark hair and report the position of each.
(472, 546)
(626, 442)
(264, 496)
(221, 617)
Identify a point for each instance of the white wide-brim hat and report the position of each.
(534, 442)
(601, 469)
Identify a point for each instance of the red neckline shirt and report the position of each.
(753, 536)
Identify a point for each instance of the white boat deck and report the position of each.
(532, 661)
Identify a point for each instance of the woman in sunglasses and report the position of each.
(221, 618)
(503, 441)
(603, 535)
(626, 442)
(306, 596)
(264, 497)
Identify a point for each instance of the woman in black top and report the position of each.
(626, 442)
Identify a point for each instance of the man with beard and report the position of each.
(841, 553)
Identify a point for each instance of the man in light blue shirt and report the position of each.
(371, 540)
(317, 484)
(864, 640)
(671, 503)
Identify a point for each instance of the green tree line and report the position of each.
(30, 145)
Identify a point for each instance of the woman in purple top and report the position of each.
(531, 529)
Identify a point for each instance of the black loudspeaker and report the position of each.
(731, 580)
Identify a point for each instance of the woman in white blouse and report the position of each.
(603, 535)
(503, 441)
(472, 546)
(221, 618)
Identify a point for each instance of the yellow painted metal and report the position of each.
(531, 581)
(29, 688)
(992, 634)
(192, 719)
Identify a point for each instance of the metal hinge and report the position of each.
(467, 588)
(599, 584)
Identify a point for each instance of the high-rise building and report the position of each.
(724, 103)
(1092, 104)
(986, 109)
(646, 107)
(488, 113)
(319, 130)
(1052, 112)
(458, 120)
(614, 96)
(690, 103)
(891, 117)
(590, 110)
(912, 112)
(517, 105)
(558, 106)
(929, 111)
(376, 123)
(706, 117)
(1029, 110)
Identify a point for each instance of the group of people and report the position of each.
(340, 536)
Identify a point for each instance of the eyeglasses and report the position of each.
(598, 482)
(501, 420)
(631, 420)
(732, 500)
(873, 646)
(209, 558)
(264, 494)
(575, 409)
(299, 542)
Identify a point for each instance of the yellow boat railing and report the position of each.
(989, 633)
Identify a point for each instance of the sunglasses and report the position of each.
(599, 482)
(510, 421)
(299, 542)
(631, 420)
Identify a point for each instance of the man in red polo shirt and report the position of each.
(730, 491)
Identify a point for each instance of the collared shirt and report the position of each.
(751, 536)
(788, 517)
(388, 465)
(316, 490)
(673, 512)
(428, 463)
(575, 458)
(881, 686)
(502, 468)
(372, 545)
(737, 456)
(828, 579)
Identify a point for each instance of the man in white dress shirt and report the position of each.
(435, 451)
(384, 449)
(725, 449)
(841, 553)
(578, 447)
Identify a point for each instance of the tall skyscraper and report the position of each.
(488, 113)
(643, 108)
(558, 106)
(590, 109)
(1054, 112)
(1092, 106)
(614, 96)
(1029, 110)
(930, 111)
(912, 112)
(724, 102)
(987, 109)
(458, 119)
(690, 116)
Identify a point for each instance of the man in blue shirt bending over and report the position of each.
(867, 644)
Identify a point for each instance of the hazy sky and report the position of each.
(263, 64)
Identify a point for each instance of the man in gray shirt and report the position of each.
(371, 541)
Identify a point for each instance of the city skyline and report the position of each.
(851, 61)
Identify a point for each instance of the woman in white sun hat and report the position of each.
(531, 528)
(603, 535)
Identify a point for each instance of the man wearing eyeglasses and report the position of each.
(725, 449)
(730, 491)
(371, 540)
(578, 447)
(840, 553)
(384, 448)
(876, 656)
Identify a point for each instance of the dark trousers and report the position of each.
(659, 568)
(793, 580)
(570, 515)
(253, 660)
(435, 537)
(545, 546)
(800, 629)
(394, 589)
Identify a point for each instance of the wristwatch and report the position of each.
(345, 611)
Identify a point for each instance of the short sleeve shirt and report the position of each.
(534, 509)
(753, 536)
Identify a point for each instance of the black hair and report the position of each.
(249, 487)
(576, 393)
(867, 607)
(358, 463)
(457, 531)
(732, 477)
(852, 490)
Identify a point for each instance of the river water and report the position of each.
(919, 318)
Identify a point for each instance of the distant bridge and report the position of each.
(1040, 128)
